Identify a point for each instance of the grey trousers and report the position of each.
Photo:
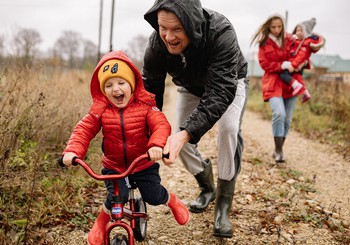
(229, 141)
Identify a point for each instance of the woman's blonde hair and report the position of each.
(263, 32)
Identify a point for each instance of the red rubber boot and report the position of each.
(306, 96)
(97, 233)
(296, 87)
(179, 210)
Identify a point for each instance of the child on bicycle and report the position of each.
(131, 125)
(306, 43)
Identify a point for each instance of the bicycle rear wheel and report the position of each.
(140, 231)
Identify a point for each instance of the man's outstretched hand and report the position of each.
(174, 145)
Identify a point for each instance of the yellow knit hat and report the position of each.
(116, 68)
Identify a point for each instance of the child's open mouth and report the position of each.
(119, 98)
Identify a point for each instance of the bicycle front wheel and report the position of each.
(140, 231)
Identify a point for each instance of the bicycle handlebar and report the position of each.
(96, 176)
(76, 161)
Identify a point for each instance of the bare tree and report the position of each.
(26, 43)
(68, 47)
(136, 49)
(89, 54)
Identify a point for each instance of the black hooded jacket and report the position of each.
(209, 67)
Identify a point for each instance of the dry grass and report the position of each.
(38, 111)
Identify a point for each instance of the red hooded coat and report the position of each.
(128, 132)
(271, 57)
(301, 50)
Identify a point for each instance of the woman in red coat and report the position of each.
(274, 44)
(131, 126)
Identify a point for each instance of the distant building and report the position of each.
(331, 68)
(324, 61)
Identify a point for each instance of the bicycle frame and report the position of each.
(118, 211)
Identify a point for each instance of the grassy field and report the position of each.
(38, 111)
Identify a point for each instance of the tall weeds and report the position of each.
(37, 114)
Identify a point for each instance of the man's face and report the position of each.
(172, 32)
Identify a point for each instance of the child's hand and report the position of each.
(155, 153)
(291, 69)
(67, 158)
(301, 66)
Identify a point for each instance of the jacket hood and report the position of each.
(100, 101)
(190, 13)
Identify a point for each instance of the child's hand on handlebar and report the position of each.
(67, 158)
(155, 153)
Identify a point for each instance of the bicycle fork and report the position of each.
(117, 214)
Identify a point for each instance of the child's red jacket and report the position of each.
(301, 50)
(128, 132)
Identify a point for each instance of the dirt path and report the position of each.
(314, 160)
(272, 204)
(306, 202)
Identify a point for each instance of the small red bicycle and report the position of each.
(136, 213)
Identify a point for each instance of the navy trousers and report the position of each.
(147, 181)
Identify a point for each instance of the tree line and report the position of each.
(70, 50)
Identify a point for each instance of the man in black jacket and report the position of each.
(199, 49)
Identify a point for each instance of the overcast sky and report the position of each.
(51, 17)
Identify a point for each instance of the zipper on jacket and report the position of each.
(183, 60)
(124, 139)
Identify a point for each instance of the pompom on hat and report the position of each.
(116, 68)
(308, 27)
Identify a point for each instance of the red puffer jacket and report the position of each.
(271, 57)
(301, 50)
(128, 132)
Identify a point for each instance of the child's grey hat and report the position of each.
(308, 27)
